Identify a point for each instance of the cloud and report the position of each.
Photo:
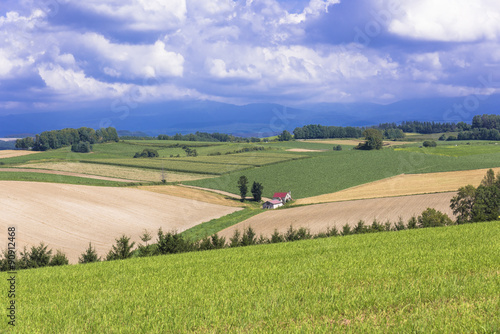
(140, 15)
(446, 20)
(134, 61)
(315, 8)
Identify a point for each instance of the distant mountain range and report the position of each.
(248, 120)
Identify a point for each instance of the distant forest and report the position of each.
(483, 127)
(80, 139)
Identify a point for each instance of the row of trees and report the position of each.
(147, 153)
(210, 137)
(66, 137)
(316, 131)
(257, 189)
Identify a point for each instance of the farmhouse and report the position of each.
(272, 204)
(283, 197)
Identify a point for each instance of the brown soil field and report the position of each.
(317, 218)
(354, 142)
(68, 217)
(304, 150)
(129, 173)
(14, 153)
(222, 192)
(55, 172)
(405, 184)
(195, 194)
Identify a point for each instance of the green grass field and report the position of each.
(436, 280)
(457, 149)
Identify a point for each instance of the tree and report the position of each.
(337, 148)
(242, 185)
(257, 191)
(487, 204)
(432, 218)
(59, 259)
(38, 257)
(285, 136)
(374, 140)
(489, 178)
(89, 256)
(122, 249)
(81, 147)
(463, 203)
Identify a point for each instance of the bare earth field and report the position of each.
(55, 172)
(193, 193)
(403, 185)
(14, 153)
(130, 173)
(68, 217)
(319, 217)
(354, 142)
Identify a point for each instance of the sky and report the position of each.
(65, 54)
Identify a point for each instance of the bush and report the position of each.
(81, 147)
(59, 259)
(432, 218)
(89, 256)
(450, 138)
(429, 143)
(147, 153)
(337, 148)
(443, 137)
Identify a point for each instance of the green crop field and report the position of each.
(435, 280)
(328, 172)
(458, 149)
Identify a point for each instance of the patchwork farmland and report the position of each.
(68, 217)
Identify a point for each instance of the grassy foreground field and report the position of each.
(442, 280)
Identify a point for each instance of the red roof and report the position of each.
(280, 195)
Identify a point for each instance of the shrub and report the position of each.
(89, 256)
(450, 138)
(432, 218)
(81, 147)
(122, 249)
(59, 259)
(147, 153)
(429, 143)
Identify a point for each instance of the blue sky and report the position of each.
(66, 54)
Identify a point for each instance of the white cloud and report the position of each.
(134, 61)
(315, 8)
(446, 20)
(141, 15)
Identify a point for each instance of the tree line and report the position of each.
(68, 137)
(209, 137)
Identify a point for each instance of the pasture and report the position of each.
(414, 281)
(68, 217)
(319, 217)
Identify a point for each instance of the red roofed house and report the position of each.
(272, 204)
(283, 197)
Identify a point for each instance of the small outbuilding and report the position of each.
(272, 204)
(283, 197)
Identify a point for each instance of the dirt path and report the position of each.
(68, 217)
(55, 172)
(319, 217)
(225, 193)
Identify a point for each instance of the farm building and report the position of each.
(283, 197)
(272, 204)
